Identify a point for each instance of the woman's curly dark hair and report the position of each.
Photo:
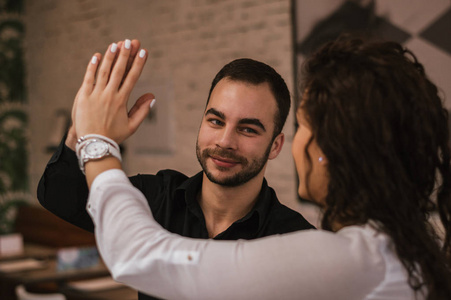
(384, 130)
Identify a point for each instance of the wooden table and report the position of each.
(47, 274)
(50, 273)
(32, 251)
(122, 293)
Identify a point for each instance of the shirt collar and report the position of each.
(262, 206)
(189, 189)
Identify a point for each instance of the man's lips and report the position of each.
(224, 162)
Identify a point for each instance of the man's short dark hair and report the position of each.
(254, 72)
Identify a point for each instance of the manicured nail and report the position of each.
(142, 53)
(94, 60)
(113, 47)
(127, 44)
(152, 103)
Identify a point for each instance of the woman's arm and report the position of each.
(140, 253)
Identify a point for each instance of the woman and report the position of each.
(371, 148)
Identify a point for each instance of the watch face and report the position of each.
(96, 149)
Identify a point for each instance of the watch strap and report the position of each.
(112, 150)
(97, 136)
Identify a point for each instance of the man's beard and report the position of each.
(249, 169)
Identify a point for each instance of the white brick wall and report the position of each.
(189, 41)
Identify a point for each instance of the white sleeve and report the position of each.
(310, 264)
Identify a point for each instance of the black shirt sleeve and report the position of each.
(63, 189)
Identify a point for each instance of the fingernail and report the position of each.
(94, 60)
(152, 103)
(128, 43)
(142, 53)
(113, 47)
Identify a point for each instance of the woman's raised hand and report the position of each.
(100, 106)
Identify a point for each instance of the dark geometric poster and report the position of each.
(422, 26)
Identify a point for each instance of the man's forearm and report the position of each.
(62, 188)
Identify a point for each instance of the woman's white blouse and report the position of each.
(355, 263)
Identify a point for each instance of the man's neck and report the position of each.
(222, 206)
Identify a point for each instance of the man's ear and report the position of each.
(276, 146)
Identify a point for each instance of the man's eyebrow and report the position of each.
(215, 112)
(251, 121)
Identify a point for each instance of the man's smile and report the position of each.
(224, 162)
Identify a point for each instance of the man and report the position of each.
(240, 131)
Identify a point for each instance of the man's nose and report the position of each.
(227, 139)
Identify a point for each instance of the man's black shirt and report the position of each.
(172, 197)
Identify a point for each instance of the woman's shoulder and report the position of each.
(375, 249)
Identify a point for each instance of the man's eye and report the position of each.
(216, 122)
(249, 130)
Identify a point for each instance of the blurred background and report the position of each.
(45, 46)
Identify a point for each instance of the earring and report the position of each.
(320, 159)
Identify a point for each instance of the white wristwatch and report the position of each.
(94, 149)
